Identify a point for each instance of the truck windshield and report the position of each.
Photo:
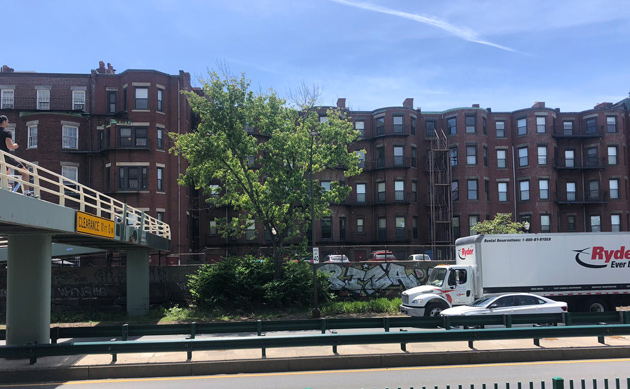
(436, 278)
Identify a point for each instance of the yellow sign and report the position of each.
(94, 225)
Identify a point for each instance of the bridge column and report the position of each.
(28, 289)
(138, 282)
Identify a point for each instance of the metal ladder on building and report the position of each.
(440, 199)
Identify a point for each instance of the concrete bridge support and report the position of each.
(138, 282)
(28, 288)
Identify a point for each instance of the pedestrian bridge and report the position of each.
(66, 212)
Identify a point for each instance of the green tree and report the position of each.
(265, 174)
(501, 224)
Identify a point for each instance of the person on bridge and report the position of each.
(7, 145)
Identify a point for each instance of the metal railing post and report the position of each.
(557, 383)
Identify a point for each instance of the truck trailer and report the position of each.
(588, 271)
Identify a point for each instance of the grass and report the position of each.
(177, 314)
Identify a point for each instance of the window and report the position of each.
(596, 223)
(591, 126)
(43, 99)
(361, 155)
(473, 190)
(413, 126)
(571, 226)
(108, 175)
(430, 129)
(453, 153)
(452, 126)
(132, 178)
(484, 122)
(414, 190)
(521, 126)
(124, 99)
(342, 228)
(160, 141)
(325, 185)
(612, 155)
(545, 223)
(471, 124)
(571, 191)
(613, 185)
(360, 225)
(414, 160)
(415, 227)
(78, 100)
(7, 99)
(503, 191)
(485, 155)
(611, 123)
(456, 230)
(382, 228)
(615, 223)
(70, 137)
(160, 216)
(471, 155)
(501, 158)
(524, 190)
(543, 187)
(400, 227)
(398, 156)
(398, 124)
(568, 127)
(361, 193)
(360, 126)
(111, 102)
(487, 189)
(591, 156)
(542, 155)
(569, 158)
(133, 137)
(160, 179)
(380, 126)
(213, 228)
(541, 124)
(160, 100)
(500, 129)
(593, 190)
(380, 188)
(523, 160)
(380, 157)
(32, 137)
(455, 190)
(142, 98)
(327, 227)
(250, 231)
(472, 220)
(399, 190)
(71, 173)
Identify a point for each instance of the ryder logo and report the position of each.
(464, 252)
(600, 257)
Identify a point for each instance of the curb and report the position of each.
(334, 362)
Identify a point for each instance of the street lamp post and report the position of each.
(316, 312)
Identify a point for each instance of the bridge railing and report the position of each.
(56, 188)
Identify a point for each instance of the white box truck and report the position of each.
(589, 271)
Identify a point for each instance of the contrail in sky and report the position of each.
(463, 33)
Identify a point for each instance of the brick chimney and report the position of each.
(110, 69)
(539, 104)
(6, 69)
(341, 102)
(408, 103)
(475, 105)
(604, 106)
(101, 67)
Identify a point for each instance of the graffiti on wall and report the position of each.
(387, 279)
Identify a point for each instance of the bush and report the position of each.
(247, 283)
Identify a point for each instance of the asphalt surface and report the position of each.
(88, 367)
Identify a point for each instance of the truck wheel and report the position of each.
(434, 309)
(595, 305)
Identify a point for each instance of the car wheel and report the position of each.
(434, 309)
(595, 305)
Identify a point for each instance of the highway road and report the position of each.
(409, 377)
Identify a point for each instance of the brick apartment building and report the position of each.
(108, 131)
(427, 176)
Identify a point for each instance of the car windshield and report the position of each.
(436, 278)
(481, 301)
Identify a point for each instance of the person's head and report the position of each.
(4, 121)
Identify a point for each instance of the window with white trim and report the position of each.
(541, 124)
(78, 100)
(542, 155)
(71, 173)
(32, 137)
(501, 158)
(399, 190)
(142, 98)
(543, 187)
(70, 137)
(524, 190)
(612, 155)
(7, 99)
(613, 185)
(503, 191)
(596, 223)
(160, 100)
(160, 179)
(615, 223)
(361, 193)
(545, 223)
(43, 99)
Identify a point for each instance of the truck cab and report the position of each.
(447, 286)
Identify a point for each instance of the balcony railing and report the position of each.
(51, 104)
(579, 132)
(395, 162)
(590, 197)
(575, 164)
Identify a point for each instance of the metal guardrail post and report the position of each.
(54, 335)
(507, 321)
(557, 383)
(386, 323)
(33, 358)
(323, 325)
(447, 322)
(259, 327)
(536, 342)
(600, 339)
(193, 333)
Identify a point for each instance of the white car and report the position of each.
(332, 258)
(508, 304)
(419, 257)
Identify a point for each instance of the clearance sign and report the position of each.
(94, 225)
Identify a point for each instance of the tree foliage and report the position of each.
(501, 224)
(266, 176)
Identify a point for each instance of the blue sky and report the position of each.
(445, 54)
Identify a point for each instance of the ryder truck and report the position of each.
(589, 271)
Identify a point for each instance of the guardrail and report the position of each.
(34, 351)
(69, 193)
